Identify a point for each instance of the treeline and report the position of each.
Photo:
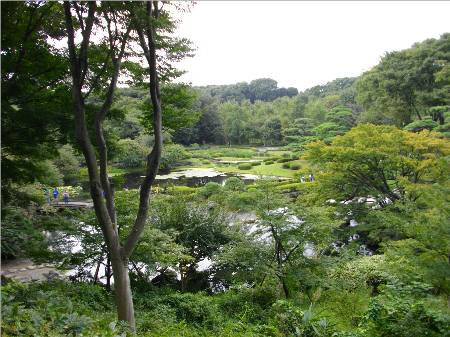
(409, 89)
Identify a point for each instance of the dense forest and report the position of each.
(134, 204)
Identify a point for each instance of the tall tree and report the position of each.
(405, 84)
(123, 23)
(34, 88)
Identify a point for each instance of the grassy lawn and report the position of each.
(207, 158)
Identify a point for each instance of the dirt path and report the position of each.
(25, 270)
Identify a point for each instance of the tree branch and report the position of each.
(153, 158)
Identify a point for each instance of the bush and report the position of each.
(255, 163)
(19, 235)
(209, 189)
(286, 165)
(284, 160)
(295, 167)
(196, 309)
(244, 166)
(395, 316)
(172, 155)
(57, 309)
(269, 162)
(234, 184)
(182, 189)
(289, 187)
(243, 200)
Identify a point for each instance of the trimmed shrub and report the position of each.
(269, 162)
(286, 165)
(295, 166)
(244, 166)
(284, 160)
(255, 163)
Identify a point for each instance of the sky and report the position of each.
(301, 43)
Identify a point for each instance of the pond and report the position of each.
(192, 177)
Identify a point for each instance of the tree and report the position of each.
(199, 229)
(120, 21)
(380, 161)
(34, 88)
(406, 83)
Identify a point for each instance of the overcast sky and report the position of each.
(301, 44)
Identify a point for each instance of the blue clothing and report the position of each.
(55, 193)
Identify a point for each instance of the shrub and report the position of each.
(196, 309)
(286, 165)
(243, 200)
(283, 160)
(295, 166)
(392, 315)
(183, 189)
(234, 184)
(255, 163)
(285, 155)
(244, 166)
(269, 162)
(209, 189)
(172, 154)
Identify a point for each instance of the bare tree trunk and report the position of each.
(122, 290)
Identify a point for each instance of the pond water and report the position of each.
(191, 177)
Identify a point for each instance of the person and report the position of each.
(66, 197)
(302, 179)
(125, 188)
(47, 195)
(55, 193)
(311, 177)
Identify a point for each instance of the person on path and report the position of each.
(311, 177)
(302, 179)
(55, 193)
(66, 197)
(47, 195)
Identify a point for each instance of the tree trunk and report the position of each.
(122, 290)
(285, 287)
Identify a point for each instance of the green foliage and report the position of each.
(20, 235)
(178, 104)
(245, 166)
(172, 154)
(397, 315)
(394, 159)
(424, 124)
(234, 184)
(55, 309)
(209, 189)
(68, 163)
(130, 153)
(405, 84)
